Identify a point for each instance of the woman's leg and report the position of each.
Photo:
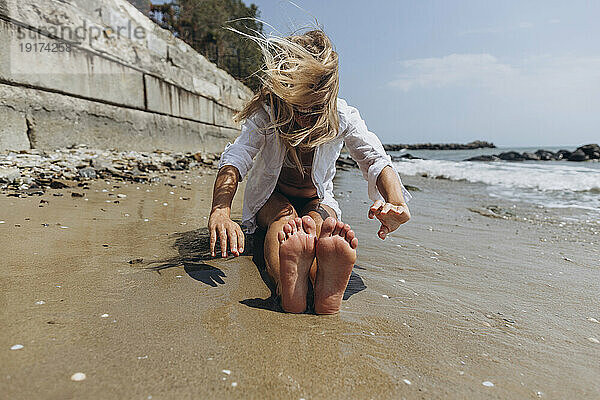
(276, 212)
(335, 255)
(289, 250)
(318, 212)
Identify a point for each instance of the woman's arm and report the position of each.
(235, 162)
(220, 223)
(393, 212)
(385, 187)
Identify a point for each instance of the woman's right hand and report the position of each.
(221, 226)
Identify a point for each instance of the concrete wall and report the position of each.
(123, 83)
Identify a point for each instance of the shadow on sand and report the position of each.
(193, 249)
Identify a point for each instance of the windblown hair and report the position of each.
(299, 78)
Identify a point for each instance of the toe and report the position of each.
(292, 224)
(327, 227)
(281, 236)
(298, 222)
(344, 230)
(354, 243)
(339, 225)
(309, 226)
(350, 236)
(287, 230)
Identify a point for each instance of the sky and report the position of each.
(517, 73)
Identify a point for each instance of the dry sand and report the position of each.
(453, 301)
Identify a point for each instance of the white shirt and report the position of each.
(261, 152)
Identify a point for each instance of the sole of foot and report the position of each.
(336, 254)
(296, 254)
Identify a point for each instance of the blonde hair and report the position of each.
(299, 78)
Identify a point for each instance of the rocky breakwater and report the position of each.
(32, 172)
(477, 144)
(583, 153)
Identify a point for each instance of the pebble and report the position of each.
(487, 383)
(2, 222)
(121, 195)
(78, 376)
(226, 371)
(593, 320)
(165, 204)
(40, 302)
(233, 384)
(104, 316)
(406, 381)
(401, 281)
(385, 296)
(593, 340)
(16, 347)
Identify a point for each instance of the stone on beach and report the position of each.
(487, 383)
(78, 376)
(16, 347)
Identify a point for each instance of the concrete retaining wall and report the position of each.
(101, 73)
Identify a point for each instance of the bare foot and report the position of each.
(336, 254)
(296, 255)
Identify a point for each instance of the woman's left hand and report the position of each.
(390, 215)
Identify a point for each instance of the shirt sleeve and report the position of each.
(242, 151)
(366, 149)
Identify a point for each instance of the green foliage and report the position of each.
(201, 23)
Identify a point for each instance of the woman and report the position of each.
(294, 129)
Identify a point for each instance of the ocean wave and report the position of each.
(537, 176)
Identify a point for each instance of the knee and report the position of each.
(281, 219)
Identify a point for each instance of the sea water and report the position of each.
(558, 184)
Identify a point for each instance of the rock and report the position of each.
(562, 154)
(100, 164)
(78, 376)
(9, 175)
(477, 144)
(545, 155)
(531, 156)
(406, 156)
(591, 150)
(511, 156)
(578, 155)
(88, 173)
(483, 158)
(346, 162)
(58, 185)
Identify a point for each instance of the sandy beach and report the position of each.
(474, 298)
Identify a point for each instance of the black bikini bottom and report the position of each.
(299, 203)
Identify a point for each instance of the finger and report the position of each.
(241, 240)
(223, 237)
(383, 231)
(213, 240)
(374, 208)
(232, 241)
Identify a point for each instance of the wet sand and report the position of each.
(457, 297)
